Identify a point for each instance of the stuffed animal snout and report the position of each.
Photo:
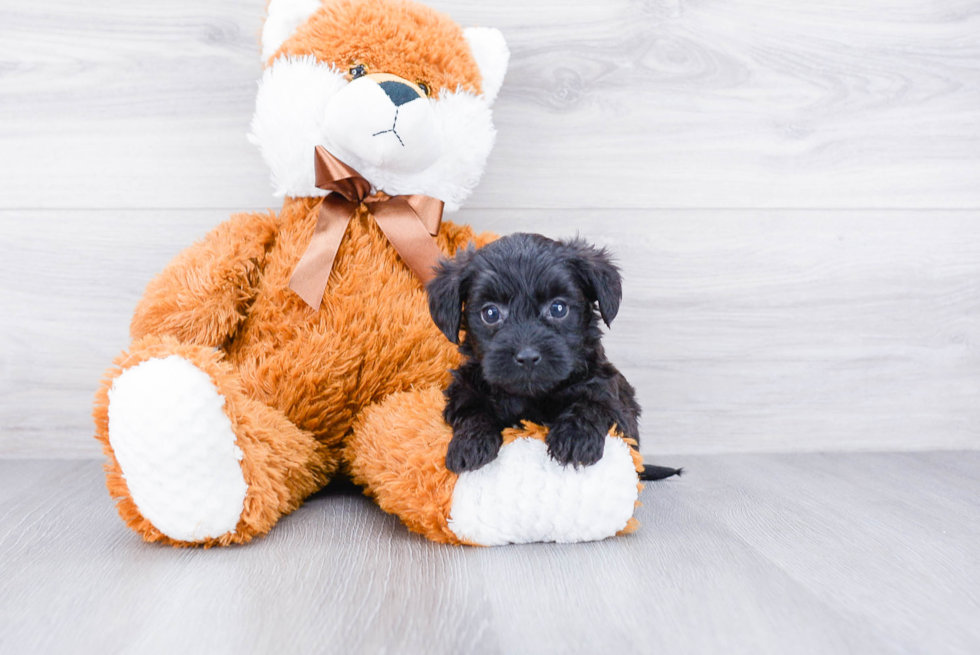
(385, 120)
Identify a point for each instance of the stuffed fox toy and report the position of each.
(286, 348)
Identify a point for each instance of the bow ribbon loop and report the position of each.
(334, 175)
(409, 223)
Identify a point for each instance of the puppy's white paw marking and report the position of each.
(177, 450)
(525, 496)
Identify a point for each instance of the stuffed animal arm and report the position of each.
(202, 296)
(522, 496)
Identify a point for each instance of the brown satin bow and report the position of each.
(409, 222)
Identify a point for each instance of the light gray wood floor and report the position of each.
(796, 553)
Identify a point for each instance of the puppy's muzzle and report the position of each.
(527, 358)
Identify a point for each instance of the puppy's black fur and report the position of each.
(532, 348)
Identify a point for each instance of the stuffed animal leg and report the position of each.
(192, 459)
(397, 453)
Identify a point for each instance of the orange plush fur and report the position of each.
(431, 50)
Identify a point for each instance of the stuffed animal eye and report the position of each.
(425, 88)
(357, 71)
(559, 309)
(490, 314)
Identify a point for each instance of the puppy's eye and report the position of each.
(490, 314)
(558, 309)
(360, 70)
(425, 88)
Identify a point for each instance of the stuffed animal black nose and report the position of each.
(528, 357)
(398, 92)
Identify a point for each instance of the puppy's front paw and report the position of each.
(468, 452)
(572, 444)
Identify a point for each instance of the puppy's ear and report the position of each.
(598, 276)
(447, 291)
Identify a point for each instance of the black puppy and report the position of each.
(532, 348)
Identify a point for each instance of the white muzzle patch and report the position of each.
(384, 124)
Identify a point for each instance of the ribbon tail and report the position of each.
(311, 274)
(428, 209)
(409, 236)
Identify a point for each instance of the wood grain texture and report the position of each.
(742, 331)
(625, 103)
(122, 130)
(787, 554)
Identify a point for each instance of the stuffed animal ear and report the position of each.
(598, 276)
(447, 292)
(491, 54)
(283, 18)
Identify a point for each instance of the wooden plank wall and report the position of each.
(792, 189)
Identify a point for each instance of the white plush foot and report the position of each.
(177, 450)
(525, 496)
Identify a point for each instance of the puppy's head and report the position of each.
(528, 306)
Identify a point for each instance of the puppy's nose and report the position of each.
(527, 357)
(398, 93)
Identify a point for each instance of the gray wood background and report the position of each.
(792, 189)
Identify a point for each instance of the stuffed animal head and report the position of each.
(392, 88)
